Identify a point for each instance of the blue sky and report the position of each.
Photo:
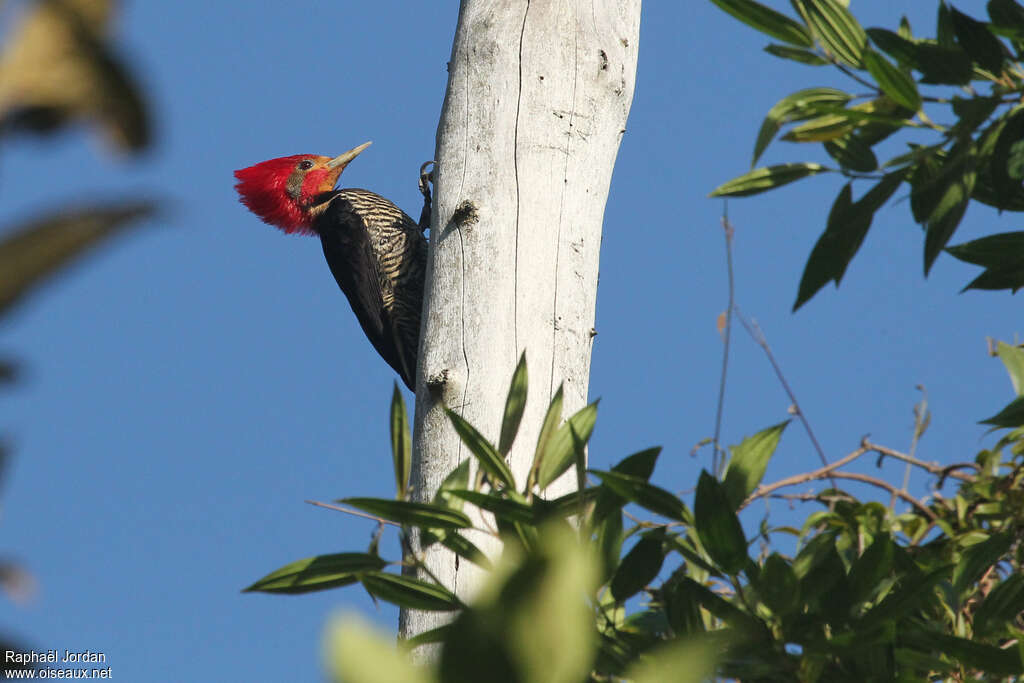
(185, 390)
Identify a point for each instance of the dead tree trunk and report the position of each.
(537, 101)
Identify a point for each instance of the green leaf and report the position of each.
(975, 38)
(794, 107)
(848, 224)
(507, 509)
(1004, 166)
(998, 613)
(357, 654)
(766, 178)
(902, 600)
(405, 591)
(401, 442)
(893, 82)
(609, 542)
(32, 252)
(717, 525)
(547, 430)
(871, 568)
(896, 46)
(682, 606)
(943, 65)
(489, 458)
(768, 21)
(515, 403)
(796, 54)
(950, 209)
(748, 462)
(640, 566)
(1007, 18)
(978, 559)
(434, 635)
(990, 659)
(317, 573)
(649, 496)
(852, 153)
(560, 453)
(408, 513)
(1013, 359)
(778, 586)
(835, 28)
(463, 547)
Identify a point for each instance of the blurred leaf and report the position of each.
(560, 454)
(530, 620)
(893, 82)
(8, 370)
(33, 251)
(609, 542)
(409, 513)
(57, 67)
(679, 661)
(489, 458)
(848, 224)
(405, 591)
(766, 178)
(717, 525)
(317, 573)
(796, 54)
(1011, 416)
(799, 105)
(401, 442)
(637, 490)
(748, 462)
(768, 21)
(515, 403)
(835, 28)
(456, 479)
(682, 606)
(355, 653)
(640, 566)
(983, 47)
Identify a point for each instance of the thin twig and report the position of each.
(931, 468)
(882, 484)
(728, 231)
(350, 511)
(921, 420)
(821, 473)
(758, 336)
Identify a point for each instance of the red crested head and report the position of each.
(283, 192)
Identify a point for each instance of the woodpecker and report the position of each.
(377, 253)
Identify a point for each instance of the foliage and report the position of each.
(869, 593)
(58, 67)
(961, 88)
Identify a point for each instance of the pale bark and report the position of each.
(537, 101)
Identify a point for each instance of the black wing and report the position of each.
(353, 260)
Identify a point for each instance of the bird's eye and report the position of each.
(305, 165)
